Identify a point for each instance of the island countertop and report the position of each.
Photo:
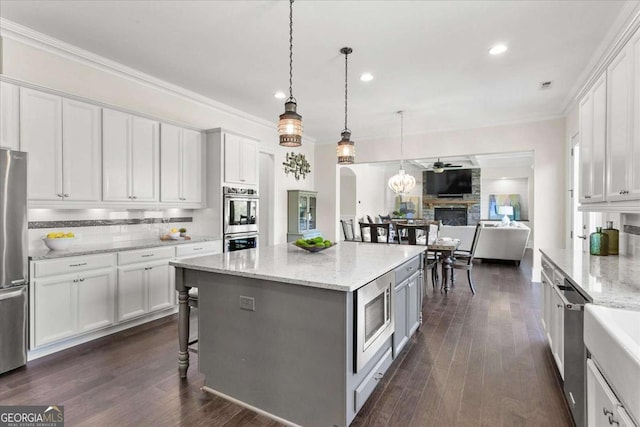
(345, 267)
(611, 281)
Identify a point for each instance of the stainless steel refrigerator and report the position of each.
(14, 301)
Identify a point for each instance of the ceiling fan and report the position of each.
(439, 167)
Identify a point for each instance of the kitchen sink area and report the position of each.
(612, 336)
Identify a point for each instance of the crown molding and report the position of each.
(30, 37)
(626, 25)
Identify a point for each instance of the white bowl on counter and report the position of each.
(59, 244)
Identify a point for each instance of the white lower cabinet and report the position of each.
(144, 288)
(71, 304)
(553, 313)
(603, 407)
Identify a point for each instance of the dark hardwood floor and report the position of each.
(476, 361)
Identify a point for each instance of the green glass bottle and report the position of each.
(614, 236)
(599, 243)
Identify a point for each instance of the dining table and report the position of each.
(446, 247)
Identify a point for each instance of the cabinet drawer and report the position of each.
(407, 269)
(72, 264)
(364, 390)
(145, 255)
(195, 249)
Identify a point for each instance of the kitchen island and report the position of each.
(278, 326)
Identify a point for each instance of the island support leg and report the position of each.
(183, 324)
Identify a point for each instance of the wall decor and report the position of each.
(497, 200)
(296, 164)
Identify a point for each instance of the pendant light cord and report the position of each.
(291, 98)
(401, 137)
(346, 88)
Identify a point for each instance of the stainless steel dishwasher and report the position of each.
(575, 357)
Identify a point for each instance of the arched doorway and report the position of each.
(348, 198)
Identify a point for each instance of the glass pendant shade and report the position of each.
(346, 149)
(290, 126)
(402, 183)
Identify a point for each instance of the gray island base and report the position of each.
(277, 326)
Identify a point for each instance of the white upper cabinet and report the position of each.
(619, 132)
(62, 137)
(593, 118)
(130, 158)
(41, 137)
(145, 149)
(81, 142)
(192, 166)
(9, 116)
(180, 171)
(609, 117)
(240, 160)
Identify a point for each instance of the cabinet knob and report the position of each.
(66, 194)
(379, 376)
(60, 195)
(586, 196)
(82, 280)
(134, 197)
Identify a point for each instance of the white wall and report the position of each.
(348, 196)
(545, 138)
(66, 72)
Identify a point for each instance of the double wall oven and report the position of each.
(240, 211)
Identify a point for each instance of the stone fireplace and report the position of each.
(451, 216)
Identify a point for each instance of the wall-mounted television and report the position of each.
(449, 182)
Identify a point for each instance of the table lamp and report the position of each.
(505, 210)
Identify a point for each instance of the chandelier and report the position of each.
(346, 150)
(401, 183)
(290, 124)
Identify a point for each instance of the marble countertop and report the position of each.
(611, 281)
(99, 248)
(344, 267)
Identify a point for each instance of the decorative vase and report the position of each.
(599, 243)
(614, 236)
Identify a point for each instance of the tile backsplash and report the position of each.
(95, 226)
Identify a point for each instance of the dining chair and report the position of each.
(371, 221)
(410, 231)
(348, 230)
(463, 260)
(374, 231)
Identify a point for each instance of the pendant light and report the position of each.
(346, 149)
(290, 124)
(401, 183)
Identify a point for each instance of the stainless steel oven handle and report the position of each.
(566, 304)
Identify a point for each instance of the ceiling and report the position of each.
(518, 159)
(428, 58)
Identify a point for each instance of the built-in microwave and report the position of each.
(374, 322)
(240, 210)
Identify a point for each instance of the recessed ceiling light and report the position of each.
(366, 77)
(498, 49)
(279, 95)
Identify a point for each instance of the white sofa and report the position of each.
(496, 242)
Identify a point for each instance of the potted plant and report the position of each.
(183, 232)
